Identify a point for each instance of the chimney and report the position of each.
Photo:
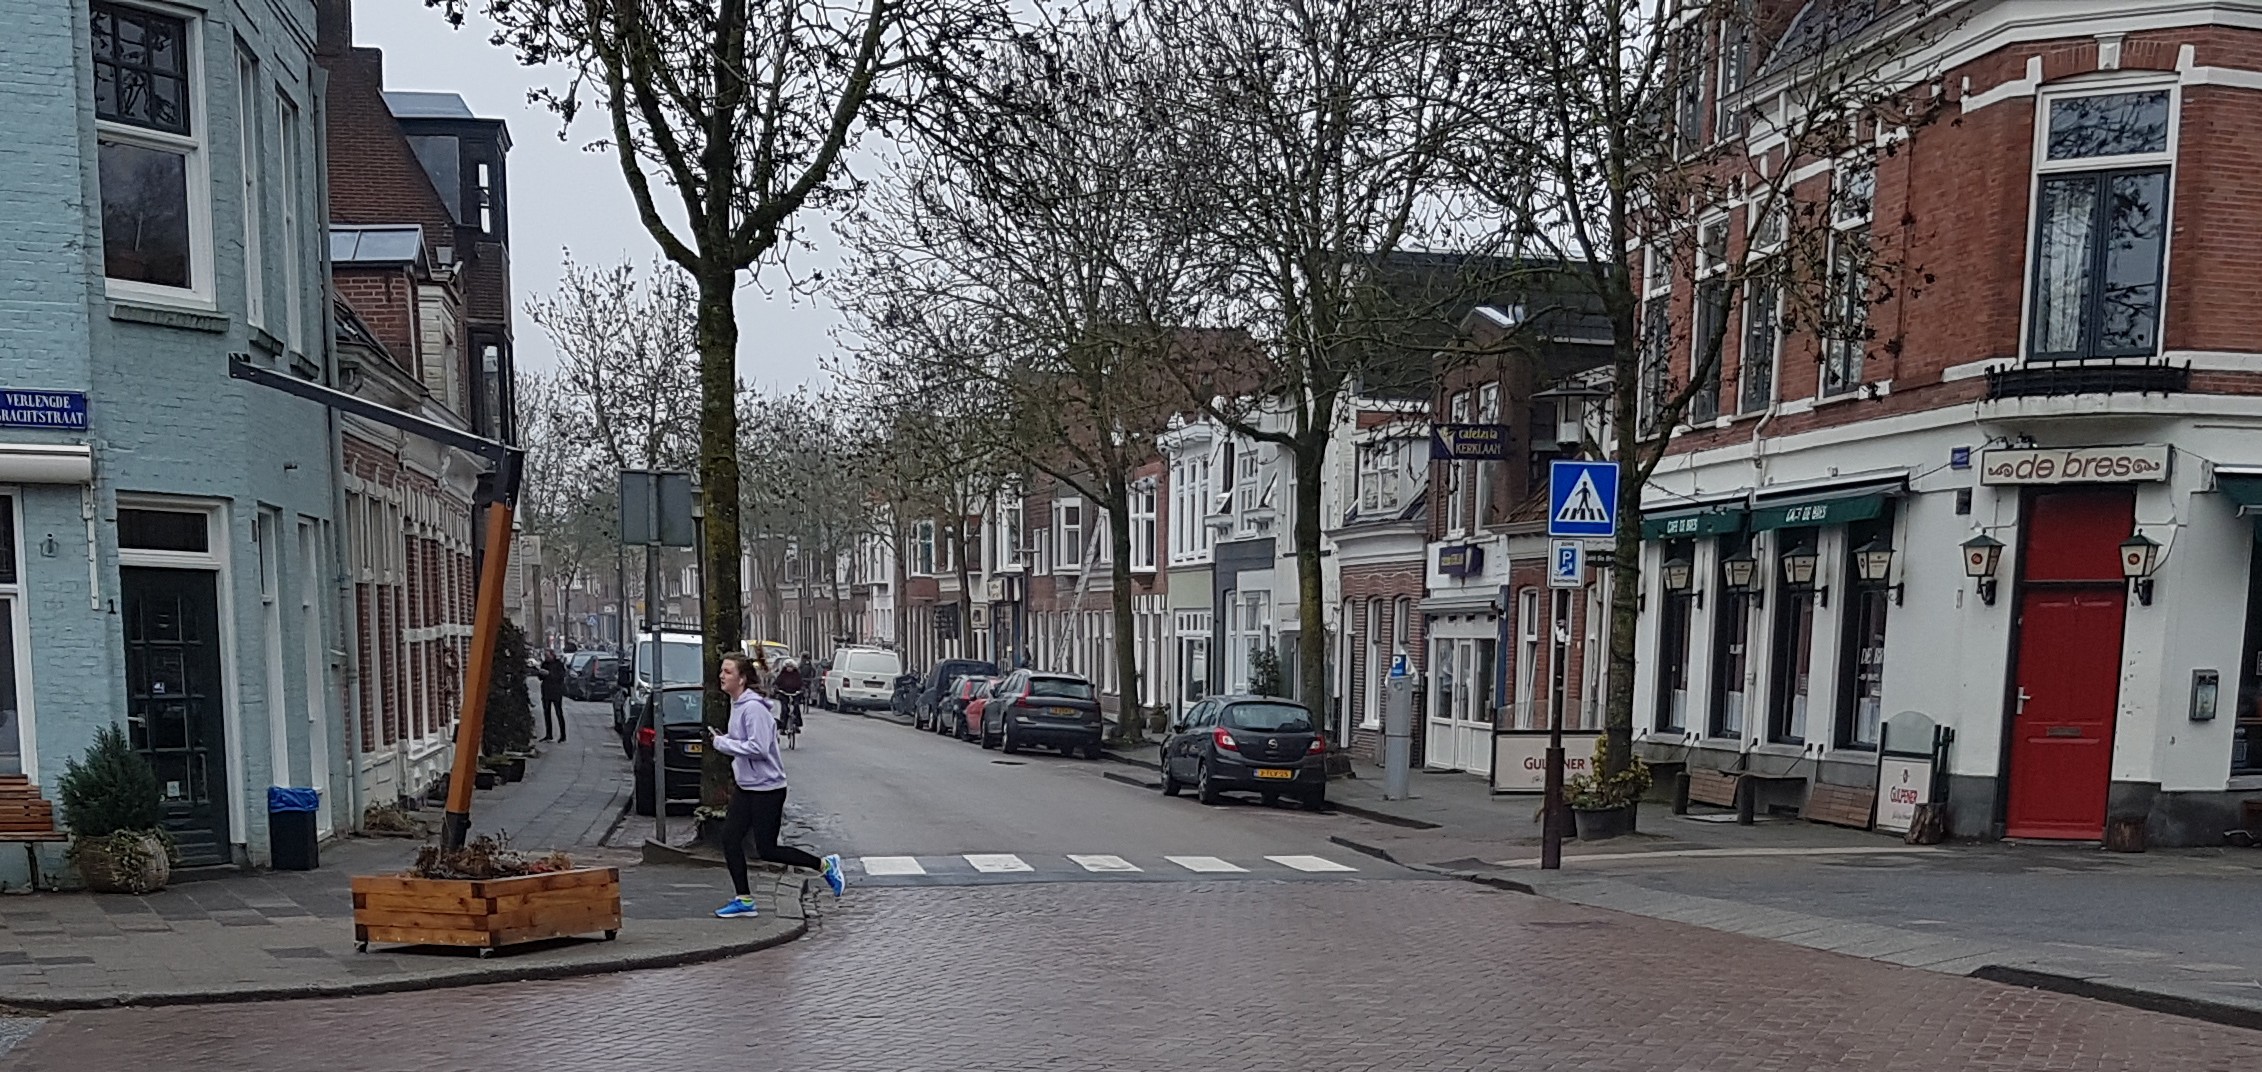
(333, 27)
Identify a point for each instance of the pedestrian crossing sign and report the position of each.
(1582, 499)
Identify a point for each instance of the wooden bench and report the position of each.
(27, 819)
(1730, 789)
(1840, 805)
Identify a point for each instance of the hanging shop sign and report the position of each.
(1460, 560)
(2075, 465)
(1468, 443)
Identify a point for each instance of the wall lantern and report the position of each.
(1873, 562)
(1742, 571)
(2139, 555)
(1798, 572)
(1982, 553)
(1678, 572)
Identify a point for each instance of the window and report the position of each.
(1382, 477)
(2101, 225)
(1793, 649)
(1688, 89)
(1656, 339)
(1846, 327)
(291, 168)
(1457, 484)
(1673, 647)
(249, 143)
(1246, 486)
(1143, 526)
(922, 550)
(1730, 646)
(1524, 717)
(1735, 69)
(1763, 307)
(1371, 629)
(1068, 533)
(1861, 675)
(1401, 626)
(156, 237)
(1009, 551)
(1708, 350)
(1488, 412)
(11, 721)
(164, 530)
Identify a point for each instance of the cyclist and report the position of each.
(788, 686)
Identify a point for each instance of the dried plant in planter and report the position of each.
(387, 820)
(485, 857)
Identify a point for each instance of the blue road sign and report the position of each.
(1401, 666)
(1582, 499)
(1566, 564)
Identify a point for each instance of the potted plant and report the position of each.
(1605, 805)
(111, 803)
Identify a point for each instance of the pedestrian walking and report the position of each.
(757, 803)
(553, 695)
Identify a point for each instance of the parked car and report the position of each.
(1245, 743)
(591, 675)
(1045, 710)
(862, 679)
(685, 741)
(950, 714)
(662, 659)
(936, 688)
(970, 716)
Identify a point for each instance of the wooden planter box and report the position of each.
(485, 914)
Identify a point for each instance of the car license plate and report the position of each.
(1064, 712)
(693, 747)
(1274, 772)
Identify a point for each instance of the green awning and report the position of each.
(1819, 510)
(2245, 491)
(1690, 524)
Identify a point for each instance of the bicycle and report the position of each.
(789, 718)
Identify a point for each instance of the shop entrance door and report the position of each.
(2071, 610)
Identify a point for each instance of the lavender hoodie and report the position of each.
(752, 742)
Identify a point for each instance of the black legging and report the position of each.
(760, 812)
(553, 714)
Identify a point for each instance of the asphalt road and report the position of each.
(1072, 970)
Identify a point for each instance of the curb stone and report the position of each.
(483, 972)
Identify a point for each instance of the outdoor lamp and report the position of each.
(1677, 572)
(2139, 554)
(1742, 571)
(1981, 554)
(1873, 561)
(1798, 572)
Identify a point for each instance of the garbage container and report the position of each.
(291, 839)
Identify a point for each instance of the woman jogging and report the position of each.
(758, 804)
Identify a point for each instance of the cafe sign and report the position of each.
(1468, 442)
(2075, 465)
(1460, 560)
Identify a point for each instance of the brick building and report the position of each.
(2012, 498)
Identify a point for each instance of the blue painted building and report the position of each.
(170, 566)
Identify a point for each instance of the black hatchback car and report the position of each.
(591, 675)
(1045, 710)
(685, 744)
(1250, 744)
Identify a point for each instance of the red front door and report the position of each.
(2069, 664)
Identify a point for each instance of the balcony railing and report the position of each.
(2085, 377)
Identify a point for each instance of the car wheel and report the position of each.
(987, 740)
(643, 796)
(1205, 790)
(1007, 743)
(1170, 785)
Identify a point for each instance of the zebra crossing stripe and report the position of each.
(1205, 864)
(1103, 863)
(893, 865)
(1310, 863)
(997, 862)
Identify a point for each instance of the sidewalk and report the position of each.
(290, 933)
(2166, 930)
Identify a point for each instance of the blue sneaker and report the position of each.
(833, 875)
(737, 907)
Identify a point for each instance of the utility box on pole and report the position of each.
(1397, 735)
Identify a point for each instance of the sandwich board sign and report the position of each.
(1582, 499)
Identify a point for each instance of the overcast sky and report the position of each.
(563, 197)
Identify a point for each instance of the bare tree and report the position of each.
(1713, 148)
(628, 368)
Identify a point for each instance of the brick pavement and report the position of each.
(1406, 976)
(290, 932)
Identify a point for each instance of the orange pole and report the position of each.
(486, 624)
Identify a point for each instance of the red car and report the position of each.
(970, 710)
(950, 714)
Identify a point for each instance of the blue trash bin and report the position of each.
(291, 840)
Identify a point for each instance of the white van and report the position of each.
(862, 678)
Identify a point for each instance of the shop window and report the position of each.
(1861, 673)
(2101, 226)
(1792, 677)
(1731, 647)
(2246, 725)
(1673, 648)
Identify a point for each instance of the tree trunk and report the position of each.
(724, 627)
(1625, 561)
(1311, 593)
(1130, 721)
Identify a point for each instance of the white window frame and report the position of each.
(1844, 222)
(291, 166)
(1457, 487)
(1068, 534)
(1486, 472)
(1657, 294)
(1248, 485)
(254, 206)
(2044, 167)
(1524, 713)
(1371, 689)
(13, 603)
(1711, 267)
(1143, 530)
(197, 172)
(922, 542)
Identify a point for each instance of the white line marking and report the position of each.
(893, 865)
(1206, 864)
(1103, 863)
(995, 862)
(1310, 863)
(1684, 854)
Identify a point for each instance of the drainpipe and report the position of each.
(349, 684)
